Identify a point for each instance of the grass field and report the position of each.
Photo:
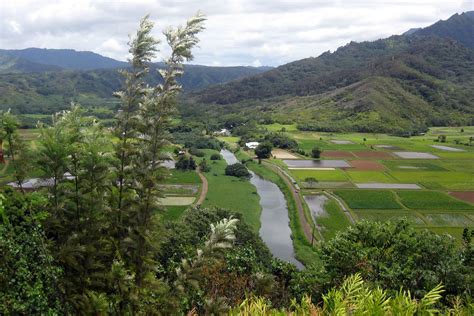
(362, 199)
(432, 200)
(231, 193)
(173, 213)
(385, 215)
(447, 179)
(182, 177)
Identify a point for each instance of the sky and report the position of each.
(238, 32)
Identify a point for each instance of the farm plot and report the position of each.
(467, 196)
(367, 165)
(387, 215)
(373, 155)
(436, 179)
(337, 154)
(317, 164)
(319, 175)
(431, 200)
(369, 176)
(177, 200)
(364, 199)
(414, 155)
(327, 215)
(452, 219)
(412, 165)
(283, 154)
(447, 148)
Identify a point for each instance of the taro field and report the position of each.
(427, 180)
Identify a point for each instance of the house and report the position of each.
(252, 145)
(223, 132)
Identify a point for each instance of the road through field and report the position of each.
(204, 188)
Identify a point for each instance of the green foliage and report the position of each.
(28, 273)
(196, 152)
(237, 170)
(393, 256)
(264, 150)
(216, 156)
(185, 163)
(316, 152)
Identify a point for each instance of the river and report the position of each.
(275, 230)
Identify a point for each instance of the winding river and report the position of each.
(275, 230)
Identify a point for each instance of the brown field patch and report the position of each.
(336, 154)
(373, 154)
(366, 165)
(283, 154)
(467, 196)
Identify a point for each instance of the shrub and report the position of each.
(237, 170)
(316, 152)
(216, 157)
(196, 152)
(186, 163)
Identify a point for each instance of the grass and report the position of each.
(362, 199)
(173, 213)
(444, 219)
(319, 175)
(432, 200)
(333, 221)
(455, 232)
(183, 177)
(370, 176)
(232, 193)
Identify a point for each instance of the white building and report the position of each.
(252, 145)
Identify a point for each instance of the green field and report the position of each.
(173, 213)
(432, 200)
(182, 177)
(333, 221)
(370, 176)
(231, 193)
(364, 199)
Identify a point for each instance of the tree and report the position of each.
(17, 151)
(423, 259)
(203, 166)
(263, 151)
(311, 181)
(216, 156)
(28, 274)
(237, 170)
(316, 152)
(185, 163)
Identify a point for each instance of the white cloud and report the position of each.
(238, 32)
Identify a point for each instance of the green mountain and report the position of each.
(65, 58)
(14, 64)
(398, 84)
(43, 81)
(459, 27)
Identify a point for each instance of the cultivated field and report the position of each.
(427, 182)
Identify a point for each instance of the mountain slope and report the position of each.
(395, 84)
(459, 27)
(48, 92)
(12, 64)
(66, 58)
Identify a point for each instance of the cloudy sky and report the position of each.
(238, 32)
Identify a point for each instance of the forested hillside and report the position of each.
(393, 84)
